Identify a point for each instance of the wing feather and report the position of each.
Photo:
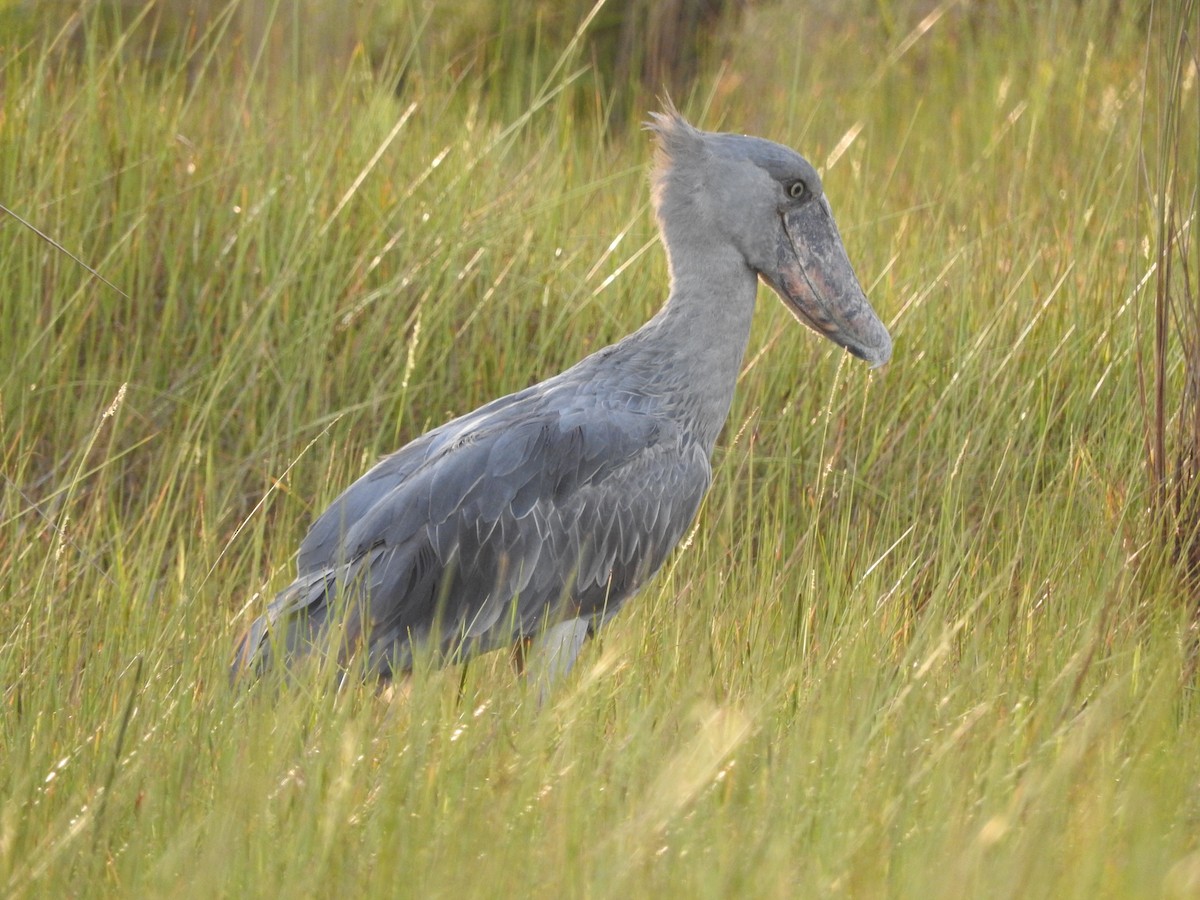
(493, 529)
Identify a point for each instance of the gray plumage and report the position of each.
(540, 514)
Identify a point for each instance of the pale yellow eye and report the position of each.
(797, 189)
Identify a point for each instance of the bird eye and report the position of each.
(797, 189)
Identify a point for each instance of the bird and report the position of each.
(530, 522)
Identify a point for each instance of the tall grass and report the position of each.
(1173, 367)
(925, 640)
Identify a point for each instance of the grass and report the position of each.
(926, 638)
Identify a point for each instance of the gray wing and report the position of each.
(322, 546)
(492, 532)
(544, 557)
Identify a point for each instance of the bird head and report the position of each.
(767, 201)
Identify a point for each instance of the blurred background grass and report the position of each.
(933, 633)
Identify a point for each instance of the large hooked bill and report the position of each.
(816, 281)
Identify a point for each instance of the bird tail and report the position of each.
(289, 626)
(252, 653)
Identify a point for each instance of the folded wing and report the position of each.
(487, 531)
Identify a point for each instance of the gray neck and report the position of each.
(697, 340)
